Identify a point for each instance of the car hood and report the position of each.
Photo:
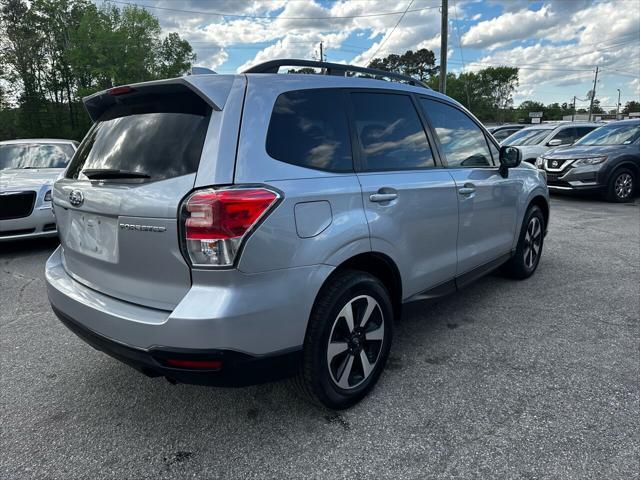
(27, 178)
(580, 151)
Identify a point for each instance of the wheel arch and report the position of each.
(541, 202)
(624, 163)
(380, 266)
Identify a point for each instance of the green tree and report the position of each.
(54, 52)
(631, 106)
(596, 107)
(418, 64)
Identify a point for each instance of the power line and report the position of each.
(384, 40)
(268, 17)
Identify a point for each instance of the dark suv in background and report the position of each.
(607, 160)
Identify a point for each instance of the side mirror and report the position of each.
(510, 157)
(554, 143)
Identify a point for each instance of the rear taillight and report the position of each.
(215, 221)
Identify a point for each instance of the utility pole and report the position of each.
(573, 115)
(618, 105)
(321, 54)
(444, 27)
(593, 93)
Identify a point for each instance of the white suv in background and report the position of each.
(534, 141)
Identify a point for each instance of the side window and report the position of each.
(390, 133)
(463, 142)
(566, 135)
(495, 153)
(309, 128)
(502, 134)
(582, 131)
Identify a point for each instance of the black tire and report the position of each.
(525, 260)
(315, 379)
(622, 185)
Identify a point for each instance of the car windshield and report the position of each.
(35, 155)
(614, 134)
(527, 136)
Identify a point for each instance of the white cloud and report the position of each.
(612, 45)
(508, 27)
(556, 44)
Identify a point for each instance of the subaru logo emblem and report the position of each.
(554, 164)
(76, 198)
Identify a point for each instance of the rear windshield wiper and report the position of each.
(106, 173)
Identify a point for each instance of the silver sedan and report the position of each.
(27, 170)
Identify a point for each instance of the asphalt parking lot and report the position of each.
(532, 379)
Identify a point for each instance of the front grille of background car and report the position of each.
(16, 205)
(554, 168)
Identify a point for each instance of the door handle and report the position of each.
(467, 189)
(383, 197)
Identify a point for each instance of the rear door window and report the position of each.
(159, 140)
(463, 142)
(309, 128)
(566, 135)
(390, 132)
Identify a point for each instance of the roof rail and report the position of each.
(329, 68)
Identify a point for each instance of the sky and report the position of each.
(555, 43)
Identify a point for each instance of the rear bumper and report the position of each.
(237, 369)
(250, 320)
(41, 223)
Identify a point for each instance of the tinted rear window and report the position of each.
(35, 155)
(140, 138)
(309, 128)
(390, 133)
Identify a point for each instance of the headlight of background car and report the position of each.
(47, 196)
(589, 161)
(539, 162)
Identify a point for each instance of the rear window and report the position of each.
(35, 155)
(309, 128)
(158, 140)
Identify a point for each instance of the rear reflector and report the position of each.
(120, 90)
(194, 364)
(216, 222)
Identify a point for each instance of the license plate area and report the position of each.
(93, 235)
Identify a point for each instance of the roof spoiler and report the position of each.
(214, 90)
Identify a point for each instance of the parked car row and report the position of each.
(601, 158)
(606, 161)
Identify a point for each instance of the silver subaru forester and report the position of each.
(233, 229)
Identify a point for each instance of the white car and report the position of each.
(534, 141)
(28, 168)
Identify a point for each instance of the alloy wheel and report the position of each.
(355, 342)
(532, 242)
(623, 186)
